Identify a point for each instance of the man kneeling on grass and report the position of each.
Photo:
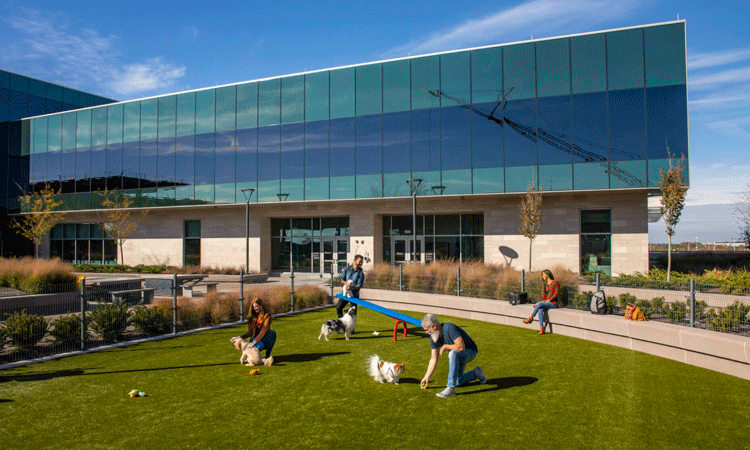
(463, 350)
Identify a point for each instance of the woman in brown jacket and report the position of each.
(259, 327)
(548, 300)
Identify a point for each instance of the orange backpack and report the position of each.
(633, 312)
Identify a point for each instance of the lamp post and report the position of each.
(283, 197)
(248, 194)
(414, 186)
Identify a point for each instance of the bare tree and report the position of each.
(531, 216)
(673, 191)
(743, 216)
(39, 217)
(121, 221)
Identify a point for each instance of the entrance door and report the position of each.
(333, 250)
(402, 248)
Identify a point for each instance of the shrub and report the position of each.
(729, 319)
(66, 328)
(582, 300)
(151, 321)
(34, 275)
(677, 311)
(310, 296)
(24, 330)
(624, 299)
(109, 320)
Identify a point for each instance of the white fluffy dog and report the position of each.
(250, 353)
(347, 292)
(344, 325)
(384, 371)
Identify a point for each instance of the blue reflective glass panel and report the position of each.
(627, 125)
(396, 90)
(455, 138)
(54, 133)
(226, 108)
(455, 79)
(292, 99)
(588, 63)
(627, 174)
(590, 127)
(342, 93)
(167, 116)
(247, 156)
(149, 119)
(520, 178)
(369, 145)
(114, 166)
(425, 140)
(518, 71)
(99, 167)
(342, 148)
(316, 96)
(555, 144)
(292, 151)
(396, 143)
(369, 89)
(666, 111)
(625, 59)
(487, 136)
(269, 154)
(185, 162)
(186, 114)
(40, 135)
(130, 168)
(204, 163)
(269, 102)
(316, 150)
(149, 156)
(37, 171)
(225, 167)
(664, 47)
(593, 175)
(425, 82)
(166, 162)
(520, 133)
(556, 177)
(53, 170)
(131, 122)
(83, 169)
(68, 131)
(205, 111)
(553, 67)
(488, 180)
(247, 106)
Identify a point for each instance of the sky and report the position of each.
(129, 50)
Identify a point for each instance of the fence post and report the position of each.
(523, 280)
(291, 278)
(692, 302)
(83, 313)
(174, 304)
(401, 277)
(597, 282)
(458, 281)
(242, 293)
(332, 270)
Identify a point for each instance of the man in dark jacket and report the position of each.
(353, 277)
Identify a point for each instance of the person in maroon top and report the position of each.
(548, 300)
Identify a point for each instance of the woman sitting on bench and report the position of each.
(259, 327)
(548, 300)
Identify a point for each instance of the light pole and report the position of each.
(248, 194)
(282, 198)
(414, 186)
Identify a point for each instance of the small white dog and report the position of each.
(347, 292)
(250, 353)
(344, 325)
(384, 370)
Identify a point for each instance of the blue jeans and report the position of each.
(456, 365)
(267, 342)
(541, 308)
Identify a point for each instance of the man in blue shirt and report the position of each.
(353, 273)
(462, 348)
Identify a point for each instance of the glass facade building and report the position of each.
(598, 111)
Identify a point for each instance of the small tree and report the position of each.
(743, 216)
(121, 222)
(673, 192)
(40, 215)
(531, 216)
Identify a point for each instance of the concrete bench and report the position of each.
(144, 296)
(190, 291)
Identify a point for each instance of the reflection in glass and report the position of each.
(167, 116)
(425, 81)
(342, 93)
(342, 148)
(518, 71)
(553, 68)
(369, 89)
(292, 152)
(425, 140)
(396, 86)
(666, 110)
(455, 79)
(268, 155)
(226, 108)
(625, 59)
(590, 127)
(455, 137)
(247, 156)
(292, 99)
(316, 96)
(369, 145)
(520, 133)
(269, 103)
(664, 48)
(588, 63)
(555, 145)
(596, 254)
(627, 125)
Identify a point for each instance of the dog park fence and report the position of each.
(102, 311)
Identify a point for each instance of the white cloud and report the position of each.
(722, 101)
(537, 16)
(719, 58)
(711, 80)
(82, 58)
(709, 186)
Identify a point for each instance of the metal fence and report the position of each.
(101, 311)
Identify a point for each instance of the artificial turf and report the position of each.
(550, 392)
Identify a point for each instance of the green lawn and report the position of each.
(550, 392)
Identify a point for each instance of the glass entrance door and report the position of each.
(333, 251)
(402, 249)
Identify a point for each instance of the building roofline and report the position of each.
(367, 64)
(62, 86)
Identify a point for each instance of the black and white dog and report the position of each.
(344, 325)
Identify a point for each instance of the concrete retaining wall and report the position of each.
(720, 352)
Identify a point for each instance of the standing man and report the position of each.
(462, 350)
(353, 273)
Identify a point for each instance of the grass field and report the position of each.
(550, 392)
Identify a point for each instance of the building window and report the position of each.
(315, 243)
(459, 237)
(82, 243)
(596, 241)
(192, 247)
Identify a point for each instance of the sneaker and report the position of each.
(447, 392)
(480, 375)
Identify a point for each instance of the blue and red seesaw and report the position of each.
(397, 316)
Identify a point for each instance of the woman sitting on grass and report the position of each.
(259, 327)
(548, 300)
